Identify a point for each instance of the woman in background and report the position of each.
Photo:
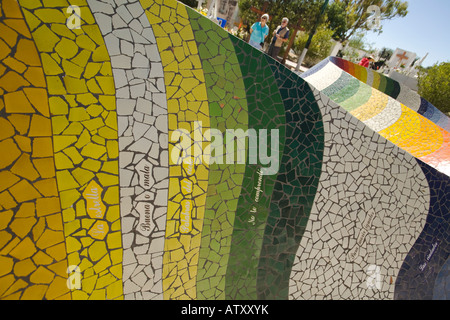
(259, 32)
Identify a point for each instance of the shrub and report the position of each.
(434, 85)
(319, 49)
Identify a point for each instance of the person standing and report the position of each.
(258, 32)
(280, 36)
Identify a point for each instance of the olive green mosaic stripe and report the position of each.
(266, 111)
(228, 110)
(187, 105)
(84, 122)
(296, 185)
(361, 73)
(383, 83)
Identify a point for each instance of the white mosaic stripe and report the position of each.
(386, 118)
(409, 98)
(370, 77)
(370, 208)
(319, 81)
(143, 142)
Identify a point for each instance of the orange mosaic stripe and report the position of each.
(33, 259)
(441, 158)
(425, 142)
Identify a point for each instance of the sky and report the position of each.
(426, 29)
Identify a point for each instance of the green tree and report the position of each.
(319, 48)
(347, 17)
(386, 53)
(358, 41)
(337, 19)
(434, 85)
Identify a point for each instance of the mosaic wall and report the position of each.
(393, 119)
(96, 98)
(395, 90)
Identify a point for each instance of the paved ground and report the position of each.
(293, 65)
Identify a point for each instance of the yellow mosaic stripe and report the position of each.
(187, 102)
(377, 103)
(406, 127)
(414, 134)
(376, 80)
(82, 104)
(33, 259)
(360, 73)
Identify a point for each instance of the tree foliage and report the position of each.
(358, 41)
(319, 48)
(347, 17)
(386, 53)
(190, 3)
(306, 10)
(434, 85)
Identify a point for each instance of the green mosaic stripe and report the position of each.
(361, 97)
(266, 111)
(338, 85)
(228, 110)
(383, 84)
(347, 92)
(392, 87)
(296, 185)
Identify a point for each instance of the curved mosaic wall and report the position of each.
(393, 119)
(100, 198)
(396, 90)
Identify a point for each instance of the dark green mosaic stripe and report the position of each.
(228, 110)
(295, 187)
(392, 87)
(266, 111)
